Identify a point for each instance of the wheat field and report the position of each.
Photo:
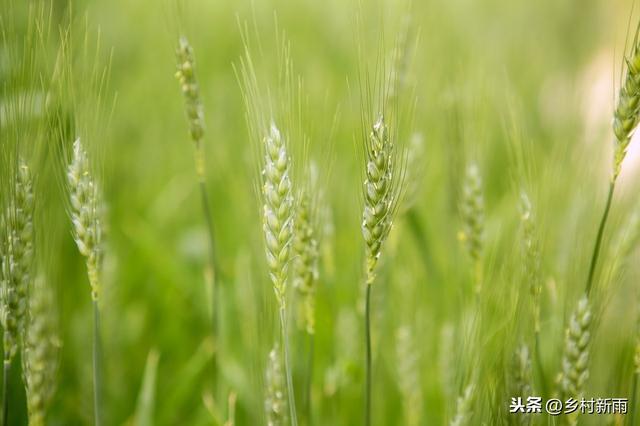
(319, 213)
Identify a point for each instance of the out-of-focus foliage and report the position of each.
(523, 89)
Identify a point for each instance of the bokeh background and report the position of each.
(524, 89)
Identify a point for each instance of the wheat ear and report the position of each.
(625, 120)
(472, 211)
(86, 210)
(40, 355)
(86, 214)
(380, 194)
(277, 224)
(627, 111)
(278, 211)
(195, 116)
(17, 259)
(193, 105)
(575, 358)
(381, 198)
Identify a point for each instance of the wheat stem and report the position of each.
(5, 392)
(97, 365)
(634, 398)
(287, 366)
(367, 330)
(309, 379)
(214, 278)
(596, 248)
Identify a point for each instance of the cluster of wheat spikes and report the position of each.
(575, 359)
(625, 120)
(27, 306)
(291, 235)
(292, 239)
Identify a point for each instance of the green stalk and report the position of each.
(538, 357)
(634, 398)
(287, 367)
(5, 392)
(367, 331)
(309, 380)
(97, 366)
(596, 248)
(206, 210)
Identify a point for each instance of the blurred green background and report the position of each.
(523, 88)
